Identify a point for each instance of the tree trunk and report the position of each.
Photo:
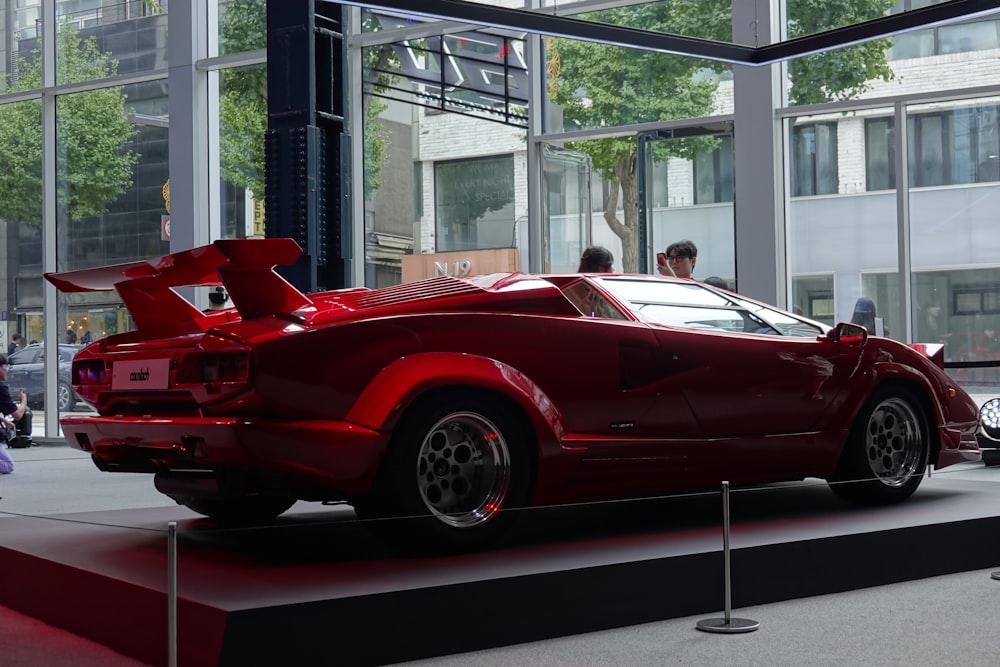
(627, 231)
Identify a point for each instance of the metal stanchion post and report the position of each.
(172, 594)
(727, 624)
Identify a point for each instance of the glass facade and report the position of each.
(85, 140)
(484, 138)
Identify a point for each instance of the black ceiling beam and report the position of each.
(561, 26)
(914, 19)
(603, 33)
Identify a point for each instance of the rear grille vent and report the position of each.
(431, 288)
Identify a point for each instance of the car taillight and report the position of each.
(90, 372)
(214, 367)
(224, 367)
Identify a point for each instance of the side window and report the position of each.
(733, 320)
(590, 302)
(22, 357)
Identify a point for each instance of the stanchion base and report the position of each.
(995, 575)
(732, 626)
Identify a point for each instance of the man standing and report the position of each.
(16, 343)
(678, 260)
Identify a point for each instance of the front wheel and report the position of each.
(456, 468)
(886, 451)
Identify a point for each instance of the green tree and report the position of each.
(92, 133)
(605, 86)
(243, 103)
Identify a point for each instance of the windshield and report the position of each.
(697, 306)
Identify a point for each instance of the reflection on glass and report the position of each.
(393, 193)
(21, 213)
(704, 19)
(953, 242)
(844, 246)
(566, 223)
(804, 17)
(242, 26)
(242, 125)
(689, 195)
(593, 86)
(843, 232)
(897, 65)
(129, 35)
(474, 203)
(480, 73)
(112, 192)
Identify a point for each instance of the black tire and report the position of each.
(244, 510)
(66, 397)
(887, 449)
(457, 467)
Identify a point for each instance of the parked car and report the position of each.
(451, 401)
(27, 371)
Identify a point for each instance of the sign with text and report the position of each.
(141, 374)
(459, 263)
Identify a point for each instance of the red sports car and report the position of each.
(453, 400)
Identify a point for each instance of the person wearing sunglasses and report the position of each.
(678, 260)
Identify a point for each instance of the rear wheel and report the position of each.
(887, 449)
(67, 399)
(455, 469)
(237, 509)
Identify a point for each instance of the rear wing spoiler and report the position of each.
(244, 266)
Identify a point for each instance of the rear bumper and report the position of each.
(332, 454)
(958, 444)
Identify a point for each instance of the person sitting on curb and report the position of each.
(10, 412)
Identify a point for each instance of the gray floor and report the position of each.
(947, 620)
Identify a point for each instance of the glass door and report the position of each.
(685, 181)
(566, 223)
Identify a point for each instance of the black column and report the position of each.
(306, 152)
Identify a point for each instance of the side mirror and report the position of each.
(847, 333)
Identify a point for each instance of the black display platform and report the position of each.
(316, 588)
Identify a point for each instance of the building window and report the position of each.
(976, 300)
(959, 37)
(814, 159)
(474, 203)
(952, 147)
(713, 174)
(880, 154)
(813, 297)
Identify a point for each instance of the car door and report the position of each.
(742, 385)
(758, 399)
